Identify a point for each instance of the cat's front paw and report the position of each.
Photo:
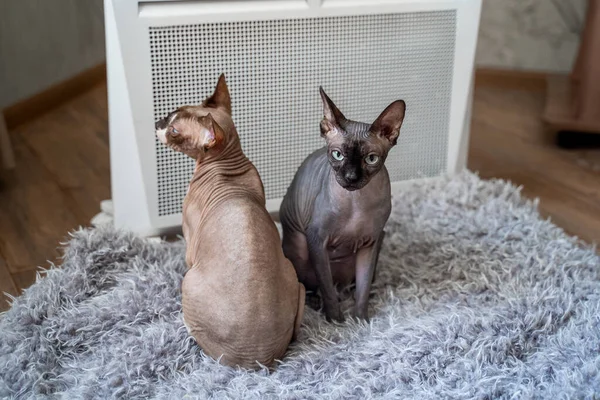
(361, 314)
(334, 313)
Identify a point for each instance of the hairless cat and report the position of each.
(241, 299)
(335, 209)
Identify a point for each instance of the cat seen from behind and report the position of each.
(241, 299)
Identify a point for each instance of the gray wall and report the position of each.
(539, 35)
(43, 42)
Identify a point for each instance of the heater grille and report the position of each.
(274, 69)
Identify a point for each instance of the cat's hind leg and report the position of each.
(295, 249)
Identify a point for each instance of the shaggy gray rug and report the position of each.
(476, 297)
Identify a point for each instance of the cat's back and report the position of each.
(240, 300)
(309, 180)
(314, 168)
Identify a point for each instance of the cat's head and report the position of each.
(198, 130)
(356, 150)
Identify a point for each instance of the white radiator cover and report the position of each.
(275, 54)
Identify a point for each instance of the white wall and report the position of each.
(43, 42)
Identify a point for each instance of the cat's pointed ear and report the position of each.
(388, 124)
(211, 133)
(220, 98)
(333, 119)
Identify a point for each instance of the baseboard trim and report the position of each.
(511, 79)
(48, 99)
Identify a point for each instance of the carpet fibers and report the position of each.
(476, 297)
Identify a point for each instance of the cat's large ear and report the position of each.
(388, 124)
(333, 119)
(211, 133)
(220, 98)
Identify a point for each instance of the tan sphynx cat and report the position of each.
(242, 301)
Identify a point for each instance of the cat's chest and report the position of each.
(352, 235)
(357, 224)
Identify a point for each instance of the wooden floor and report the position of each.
(509, 140)
(63, 173)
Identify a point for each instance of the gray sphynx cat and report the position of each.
(335, 209)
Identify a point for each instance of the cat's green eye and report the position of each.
(372, 159)
(337, 155)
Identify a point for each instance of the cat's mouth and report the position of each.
(351, 187)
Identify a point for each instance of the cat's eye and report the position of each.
(372, 159)
(174, 131)
(337, 155)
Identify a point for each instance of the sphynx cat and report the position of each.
(335, 209)
(242, 301)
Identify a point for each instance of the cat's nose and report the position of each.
(351, 176)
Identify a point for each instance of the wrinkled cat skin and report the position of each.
(242, 301)
(335, 209)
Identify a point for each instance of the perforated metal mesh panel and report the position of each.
(274, 69)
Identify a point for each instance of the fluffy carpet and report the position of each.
(476, 297)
